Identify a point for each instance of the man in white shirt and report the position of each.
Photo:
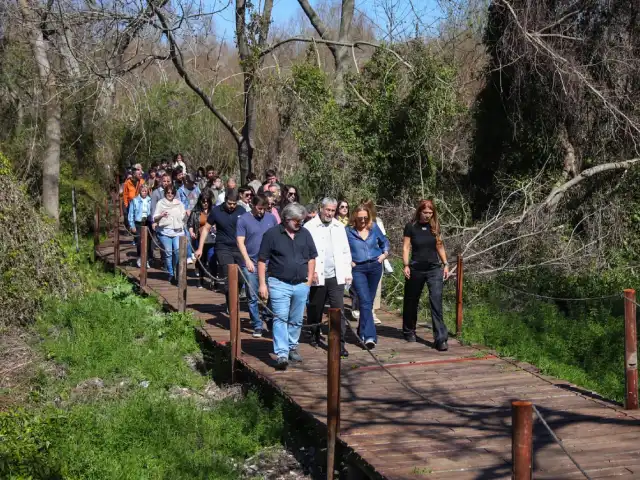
(332, 270)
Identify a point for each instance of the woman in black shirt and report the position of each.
(422, 238)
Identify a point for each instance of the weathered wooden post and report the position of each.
(630, 351)
(522, 440)
(459, 289)
(107, 225)
(234, 318)
(182, 274)
(333, 388)
(144, 246)
(96, 232)
(116, 238)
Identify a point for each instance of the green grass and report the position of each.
(125, 429)
(582, 342)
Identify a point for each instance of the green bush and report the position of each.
(32, 264)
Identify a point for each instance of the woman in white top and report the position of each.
(168, 222)
(178, 161)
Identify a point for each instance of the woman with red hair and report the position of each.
(422, 239)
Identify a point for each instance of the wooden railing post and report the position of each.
(144, 246)
(107, 225)
(333, 388)
(459, 289)
(116, 237)
(182, 274)
(522, 440)
(630, 351)
(234, 318)
(96, 232)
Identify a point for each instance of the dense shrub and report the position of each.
(32, 263)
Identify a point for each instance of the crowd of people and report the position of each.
(292, 257)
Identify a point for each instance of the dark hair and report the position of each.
(170, 188)
(270, 172)
(210, 168)
(206, 194)
(175, 157)
(231, 194)
(284, 196)
(251, 177)
(244, 189)
(259, 201)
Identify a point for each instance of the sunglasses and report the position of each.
(291, 193)
(343, 206)
(362, 219)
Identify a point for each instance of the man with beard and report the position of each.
(332, 269)
(291, 254)
(225, 219)
(249, 232)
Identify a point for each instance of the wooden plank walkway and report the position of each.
(399, 435)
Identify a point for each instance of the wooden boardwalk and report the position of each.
(398, 435)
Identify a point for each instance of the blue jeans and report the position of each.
(252, 293)
(190, 241)
(171, 246)
(288, 302)
(365, 283)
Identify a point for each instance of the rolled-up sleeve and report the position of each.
(383, 241)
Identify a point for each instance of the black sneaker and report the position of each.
(370, 344)
(410, 337)
(257, 333)
(282, 363)
(294, 356)
(344, 353)
(442, 346)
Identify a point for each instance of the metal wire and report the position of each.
(559, 442)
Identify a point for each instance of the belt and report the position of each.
(366, 261)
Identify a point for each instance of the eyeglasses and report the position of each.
(343, 206)
(362, 219)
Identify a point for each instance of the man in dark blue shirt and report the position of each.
(224, 218)
(249, 232)
(291, 254)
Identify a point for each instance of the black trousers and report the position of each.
(138, 236)
(318, 297)
(225, 258)
(209, 263)
(413, 286)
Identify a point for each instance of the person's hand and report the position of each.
(250, 266)
(315, 279)
(198, 253)
(263, 291)
(348, 280)
(187, 212)
(154, 225)
(133, 229)
(192, 233)
(407, 272)
(164, 214)
(382, 257)
(446, 272)
(353, 264)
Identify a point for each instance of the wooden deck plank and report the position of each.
(403, 436)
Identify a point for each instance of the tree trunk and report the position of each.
(341, 55)
(245, 155)
(51, 160)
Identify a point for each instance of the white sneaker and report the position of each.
(355, 314)
(148, 266)
(138, 263)
(189, 261)
(376, 320)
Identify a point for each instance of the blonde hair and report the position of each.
(363, 207)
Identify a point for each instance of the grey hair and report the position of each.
(293, 211)
(328, 201)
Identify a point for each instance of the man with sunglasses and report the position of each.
(291, 254)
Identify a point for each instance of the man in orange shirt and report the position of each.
(131, 187)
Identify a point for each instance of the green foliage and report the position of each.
(124, 428)
(582, 342)
(386, 144)
(116, 334)
(31, 259)
(89, 193)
